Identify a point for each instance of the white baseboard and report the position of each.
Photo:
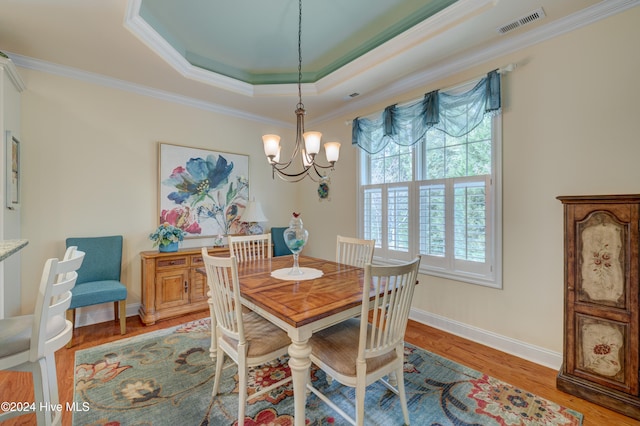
(101, 313)
(511, 346)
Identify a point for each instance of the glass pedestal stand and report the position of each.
(295, 237)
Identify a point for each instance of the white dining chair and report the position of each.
(247, 338)
(250, 247)
(354, 251)
(380, 336)
(29, 342)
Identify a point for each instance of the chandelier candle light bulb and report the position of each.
(271, 146)
(276, 159)
(307, 160)
(312, 143)
(332, 150)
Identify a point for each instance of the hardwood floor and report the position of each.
(534, 378)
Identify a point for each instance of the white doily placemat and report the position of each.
(307, 274)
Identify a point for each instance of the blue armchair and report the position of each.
(99, 277)
(279, 246)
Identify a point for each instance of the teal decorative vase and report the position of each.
(168, 248)
(295, 237)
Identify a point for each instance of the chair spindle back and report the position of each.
(250, 247)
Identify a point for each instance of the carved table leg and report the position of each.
(299, 363)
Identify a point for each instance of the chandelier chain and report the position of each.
(300, 104)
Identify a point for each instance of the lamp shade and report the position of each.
(332, 149)
(271, 145)
(253, 213)
(312, 142)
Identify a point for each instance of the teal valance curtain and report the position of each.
(454, 114)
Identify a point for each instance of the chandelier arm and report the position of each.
(322, 166)
(293, 178)
(281, 172)
(316, 180)
(315, 169)
(281, 165)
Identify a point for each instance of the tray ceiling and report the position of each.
(240, 57)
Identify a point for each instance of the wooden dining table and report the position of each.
(301, 307)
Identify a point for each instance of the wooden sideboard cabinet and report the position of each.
(601, 329)
(171, 285)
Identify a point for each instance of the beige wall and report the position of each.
(570, 126)
(90, 167)
(571, 122)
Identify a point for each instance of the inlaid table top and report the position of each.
(299, 303)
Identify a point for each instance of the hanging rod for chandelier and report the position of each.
(303, 161)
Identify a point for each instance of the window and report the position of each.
(440, 198)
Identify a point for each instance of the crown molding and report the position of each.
(101, 80)
(577, 20)
(8, 65)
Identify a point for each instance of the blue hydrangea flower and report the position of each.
(198, 178)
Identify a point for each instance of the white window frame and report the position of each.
(489, 276)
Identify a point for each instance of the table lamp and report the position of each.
(252, 215)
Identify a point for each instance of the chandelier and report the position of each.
(303, 161)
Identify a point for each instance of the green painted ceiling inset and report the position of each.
(256, 41)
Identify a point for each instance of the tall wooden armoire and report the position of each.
(601, 328)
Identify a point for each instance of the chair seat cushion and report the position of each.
(262, 336)
(15, 333)
(337, 347)
(95, 292)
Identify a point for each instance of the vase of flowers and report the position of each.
(167, 237)
(295, 237)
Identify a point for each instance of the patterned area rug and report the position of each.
(166, 377)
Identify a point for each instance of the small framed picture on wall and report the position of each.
(12, 190)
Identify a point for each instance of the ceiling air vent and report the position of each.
(527, 19)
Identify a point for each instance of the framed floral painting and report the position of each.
(202, 192)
